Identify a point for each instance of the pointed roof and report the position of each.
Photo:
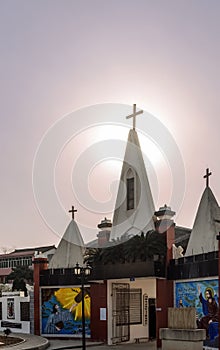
(203, 236)
(70, 249)
(132, 222)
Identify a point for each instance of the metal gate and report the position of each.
(120, 312)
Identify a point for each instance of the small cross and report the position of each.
(72, 211)
(206, 176)
(133, 115)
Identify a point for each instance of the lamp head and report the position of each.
(77, 269)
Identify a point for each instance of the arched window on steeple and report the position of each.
(130, 186)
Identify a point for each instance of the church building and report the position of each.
(142, 263)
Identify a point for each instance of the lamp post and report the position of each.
(82, 273)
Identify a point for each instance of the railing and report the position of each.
(200, 265)
(103, 272)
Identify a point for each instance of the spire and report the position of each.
(70, 249)
(134, 207)
(205, 229)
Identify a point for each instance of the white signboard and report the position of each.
(103, 314)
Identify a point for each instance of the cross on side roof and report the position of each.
(72, 211)
(206, 176)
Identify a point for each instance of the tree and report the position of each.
(141, 247)
(20, 275)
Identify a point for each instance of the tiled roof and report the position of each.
(5, 271)
(26, 252)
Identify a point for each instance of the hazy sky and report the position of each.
(58, 57)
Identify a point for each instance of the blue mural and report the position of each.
(188, 293)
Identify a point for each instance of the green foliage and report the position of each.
(140, 247)
(21, 272)
(20, 275)
(19, 285)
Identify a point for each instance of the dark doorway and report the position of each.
(152, 318)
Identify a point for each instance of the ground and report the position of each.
(9, 340)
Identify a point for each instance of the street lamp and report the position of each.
(82, 273)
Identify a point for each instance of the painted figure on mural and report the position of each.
(62, 311)
(58, 318)
(180, 303)
(210, 310)
(209, 293)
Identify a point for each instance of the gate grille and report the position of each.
(120, 312)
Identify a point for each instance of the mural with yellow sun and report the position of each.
(71, 299)
(62, 310)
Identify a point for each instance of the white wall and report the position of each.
(148, 286)
(17, 299)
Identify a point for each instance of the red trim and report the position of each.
(39, 264)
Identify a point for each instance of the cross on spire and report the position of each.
(72, 211)
(134, 114)
(206, 176)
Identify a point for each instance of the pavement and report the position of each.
(28, 342)
(34, 342)
(72, 344)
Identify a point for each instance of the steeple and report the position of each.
(205, 228)
(70, 249)
(134, 207)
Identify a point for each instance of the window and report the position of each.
(135, 306)
(130, 193)
(25, 311)
(129, 306)
(3, 263)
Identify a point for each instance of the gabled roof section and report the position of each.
(203, 235)
(27, 251)
(133, 221)
(42, 249)
(70, 249)
(182, 235)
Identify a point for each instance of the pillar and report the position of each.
(165, 226)
(39, 265)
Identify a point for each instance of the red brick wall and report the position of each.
(167, 227)
(164, 299)
(39, 264)
(98, 300)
